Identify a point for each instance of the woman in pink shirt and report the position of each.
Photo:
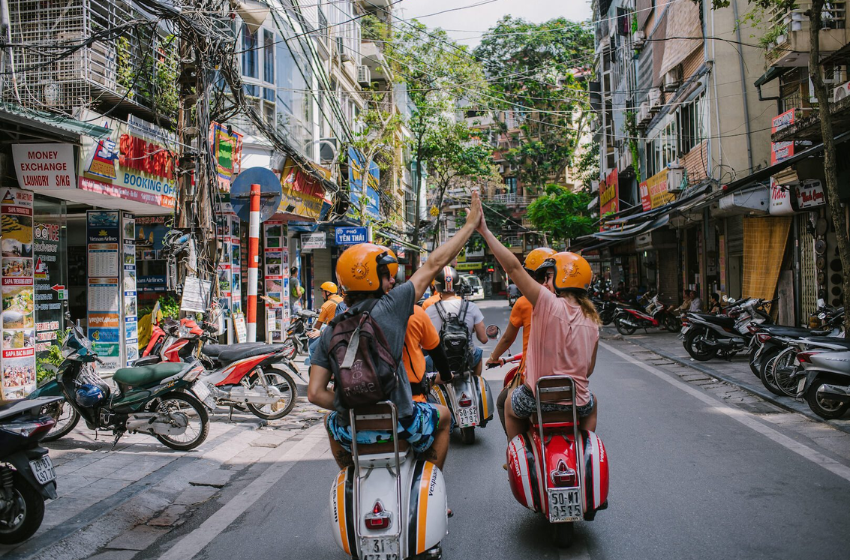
(565, 333)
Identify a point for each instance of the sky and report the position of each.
(467, 25)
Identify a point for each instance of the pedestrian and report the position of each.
(696, 302)
(714, 304)
(686, 303)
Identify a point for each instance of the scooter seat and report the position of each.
(780, 330)
(242, 351)
(146, 375)
(842, 342)
(721, 320)
(215, 350)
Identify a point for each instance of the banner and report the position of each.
(356, 163)
(302, 195)
(131, 328)
(609, 194)
(227, 149)
(657, 190)
(18, 304)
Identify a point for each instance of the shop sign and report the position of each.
(351, 235)
(784, 120)
(609, 194)
(356, 163)
(810, 194)
(645, 201)
(780, 151)
(104, 291)
(48, 293)
(310, 241)
(302, 195)
(44, 166)
(657, 190)
(227, 150)
(780, 199)
(469, 266)
(18, 342)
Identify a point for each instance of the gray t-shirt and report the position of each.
(391, 313)
(473, 314)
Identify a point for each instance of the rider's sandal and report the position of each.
(449, 513)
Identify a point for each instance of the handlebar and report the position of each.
(508, 360)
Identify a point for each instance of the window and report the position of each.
(268, 56)
(510, 183)
(691, 117)
(249, 53)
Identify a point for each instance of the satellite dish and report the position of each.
(270, 193)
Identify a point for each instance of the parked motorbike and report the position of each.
(826, 384)
(26, 471)
(706, 335)
(389, 505)
(556, 468)
(629, 319)
(297, 342)
(607, 309)
(162, 400)
(785, 370)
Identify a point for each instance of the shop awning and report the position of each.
(633, 231)
(689, 196)
(58, 125)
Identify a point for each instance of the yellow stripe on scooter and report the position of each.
(483, 390)
(340, 509)
(424, 486)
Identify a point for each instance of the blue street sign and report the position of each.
(270, 193)
(351, 235)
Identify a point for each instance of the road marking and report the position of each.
(282, 460)
(745, 418)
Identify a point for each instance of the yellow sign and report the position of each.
(469, 266)
(657, 187)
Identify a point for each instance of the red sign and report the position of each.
(780, 199)
(784, 120)
(780, 151)
(645, 200)
(609, 194)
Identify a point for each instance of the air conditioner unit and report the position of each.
(841, 92)
(638, 39)
(675, 175)
(364, 75)
(594, 186)
(672, 81)
(654, 99)
(327, 149)
(644, 116)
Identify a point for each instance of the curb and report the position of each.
(762, 394)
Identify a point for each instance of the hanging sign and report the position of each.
(351, 235)
(609, 194)
(44, 166)
(657, 190)
(310, 241)
(810, 194)
(780, 199)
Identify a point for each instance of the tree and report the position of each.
(532, 71)
(562, 213)
(830, 168)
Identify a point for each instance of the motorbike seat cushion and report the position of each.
(146, 375)
(717, 319)
(843, 342)
(780, 330)
(242, 351)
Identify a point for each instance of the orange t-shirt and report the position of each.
(431, 300)
(521, 317)
(420, 334)
(328, 310)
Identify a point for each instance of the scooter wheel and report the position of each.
(623, 328)
(697, 348)
(66, 418)
(467, 435)
(24, 516)
(830, 410)
(563, 534)
(285, 384)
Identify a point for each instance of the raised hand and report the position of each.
(475, 215)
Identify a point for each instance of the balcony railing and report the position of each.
(510, 200)
(787, 39)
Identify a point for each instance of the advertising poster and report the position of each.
(105, 286)
(276, 274)
(227, 147)
(229, 261)
(49, 286)
(131, 304)
(18, 292)
(147, 247)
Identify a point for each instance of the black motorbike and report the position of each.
(297, 340)
(706, 335)
(26, 471)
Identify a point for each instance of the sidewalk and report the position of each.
(736, 371)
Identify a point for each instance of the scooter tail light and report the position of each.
(193, 373)
(29, 429)
(563, 476)
(762, 337)
(464, 401)
(806, 357)
(378, 518)
(752, 327)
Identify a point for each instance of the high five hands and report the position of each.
(476, 213)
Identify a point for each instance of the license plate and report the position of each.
(685, 330)
(43, 469)
(467, 416)
(564, 505)
(203, 393)
(382, 548)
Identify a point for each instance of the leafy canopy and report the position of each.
(562, 213)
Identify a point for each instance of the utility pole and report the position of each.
(186, 157)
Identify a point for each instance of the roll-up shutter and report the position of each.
(735, 236)
(322, 273)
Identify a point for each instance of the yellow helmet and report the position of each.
(357, 267)
(572, 271)
(536, 257)
(329, 287)
(393, 266)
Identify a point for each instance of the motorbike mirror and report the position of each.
(493, 332)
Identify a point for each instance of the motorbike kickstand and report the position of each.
(118, 435)
(230, 416)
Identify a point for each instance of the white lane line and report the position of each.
(744, 418)
(282, 460)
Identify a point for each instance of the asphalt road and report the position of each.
(689, 479)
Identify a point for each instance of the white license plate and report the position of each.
(43, 469)
(203, 393)
(467, 417)
(685, 330)
(564, 505)
(382, 548)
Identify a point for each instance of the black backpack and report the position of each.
(362, 363)
(454, 337)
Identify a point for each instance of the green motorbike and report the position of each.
(162, 400)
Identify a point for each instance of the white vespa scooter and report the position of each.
(389, 505)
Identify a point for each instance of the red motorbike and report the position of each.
(629, 319)
(556, 468)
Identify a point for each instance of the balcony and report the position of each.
(787, 41)
(124, 71)
(510, 200)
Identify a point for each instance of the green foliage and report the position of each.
(562, 213)
(165, 80)
(588, 165)
(169, 307)
(373, 29)
(531, 67)
(631, 132)
(53, 357)
(126, 76)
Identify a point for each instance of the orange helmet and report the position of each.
(572, 271)
(536, 257)
(357, 267)
(329, 287)
(393, 266)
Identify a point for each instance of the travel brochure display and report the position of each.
(50, 289)
(18, 305)
(131, 327)
(229, 270)
(104, 287)
(276, 274)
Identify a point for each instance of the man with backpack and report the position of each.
(456, 319)
(362, 349)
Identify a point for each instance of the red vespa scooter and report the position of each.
(556, 468)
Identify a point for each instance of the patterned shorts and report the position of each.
(417, 429)
(524, 404)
